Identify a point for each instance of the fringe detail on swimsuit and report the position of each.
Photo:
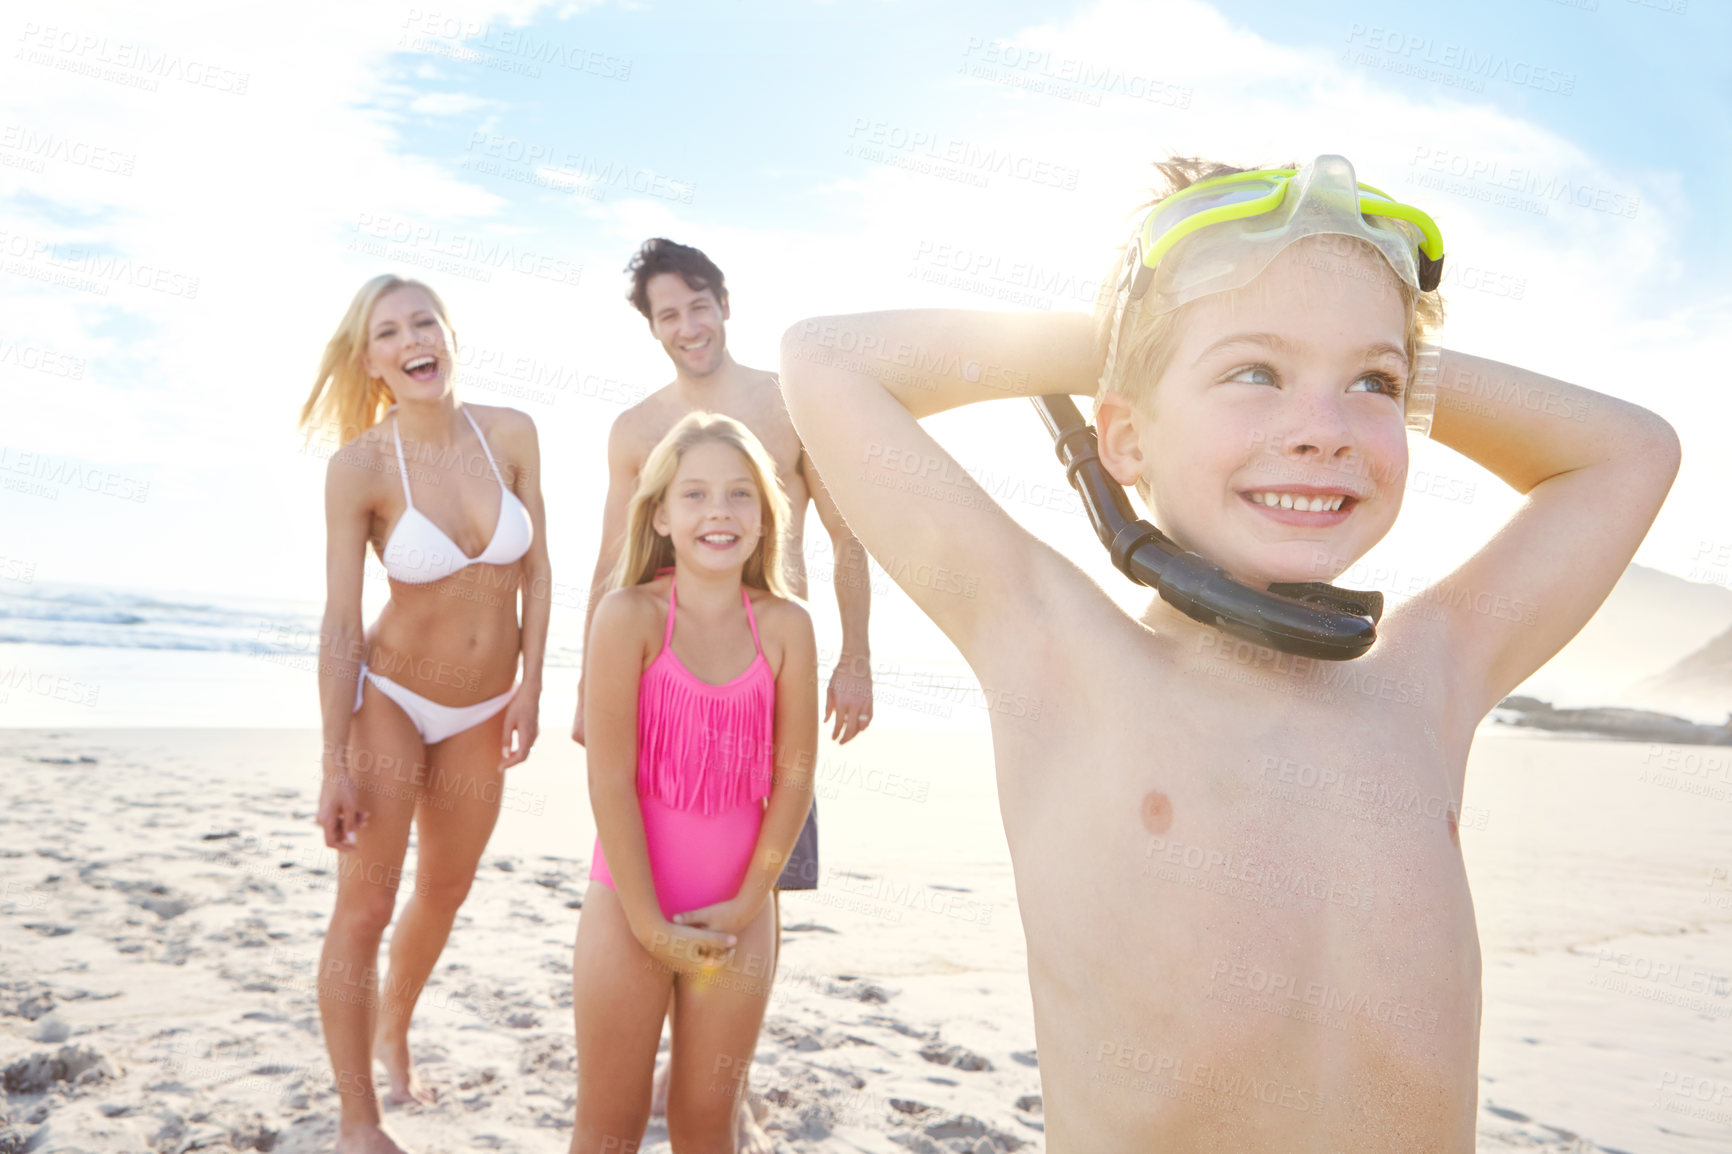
(709, 747)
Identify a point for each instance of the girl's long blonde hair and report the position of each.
(647, 551)
(345, 401)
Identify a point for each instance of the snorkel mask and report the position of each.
(1215, 236)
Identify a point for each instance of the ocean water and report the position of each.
(96, 656)
(53, 614)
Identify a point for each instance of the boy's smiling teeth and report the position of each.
(1298, 502)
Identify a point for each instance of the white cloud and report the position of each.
(264, 196)
(450, 104)
(254, 158)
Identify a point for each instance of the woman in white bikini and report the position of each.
(424, 711)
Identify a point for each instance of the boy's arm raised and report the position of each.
(1595, 471)
(856, 387)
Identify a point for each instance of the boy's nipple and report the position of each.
(1157, 812)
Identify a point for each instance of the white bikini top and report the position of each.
(419, 552)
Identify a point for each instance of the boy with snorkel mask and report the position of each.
(1233, 834)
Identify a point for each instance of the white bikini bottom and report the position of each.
(434, 722)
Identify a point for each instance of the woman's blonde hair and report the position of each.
(647, 551)
(1146, 349)
(345, 401)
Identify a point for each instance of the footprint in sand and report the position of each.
(547, 1057)
(48, 929)
(80, 1065)
(799, 1039)
(954, 1055)
(962, 1133)
(851, 987)
(26, 999)
(902, 1028)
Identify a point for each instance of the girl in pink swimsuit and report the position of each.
(702, 724)
(703, 772)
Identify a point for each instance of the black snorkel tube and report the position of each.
(1307, 619)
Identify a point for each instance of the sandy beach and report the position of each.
(163, 894)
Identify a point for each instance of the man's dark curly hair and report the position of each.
(660, 255)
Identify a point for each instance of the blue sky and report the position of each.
(749, 109)
(282, 159)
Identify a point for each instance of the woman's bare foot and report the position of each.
(406, 1085)
(366, 1139)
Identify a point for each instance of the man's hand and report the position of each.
(849, 698)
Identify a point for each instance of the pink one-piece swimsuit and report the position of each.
(704, 768)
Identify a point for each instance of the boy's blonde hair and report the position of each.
(647, 551)
(345, 401)
(1146, 350)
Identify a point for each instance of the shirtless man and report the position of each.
(684, 297)
(1248, 919)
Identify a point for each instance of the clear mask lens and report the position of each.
(1322, 199)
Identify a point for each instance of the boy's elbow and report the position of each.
(1658, 445)
(1671, 448)
(795, 334)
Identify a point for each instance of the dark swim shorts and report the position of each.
(801, 872)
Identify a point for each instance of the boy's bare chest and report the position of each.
(1347, 756)
(1206, 823)
(1266, 885)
